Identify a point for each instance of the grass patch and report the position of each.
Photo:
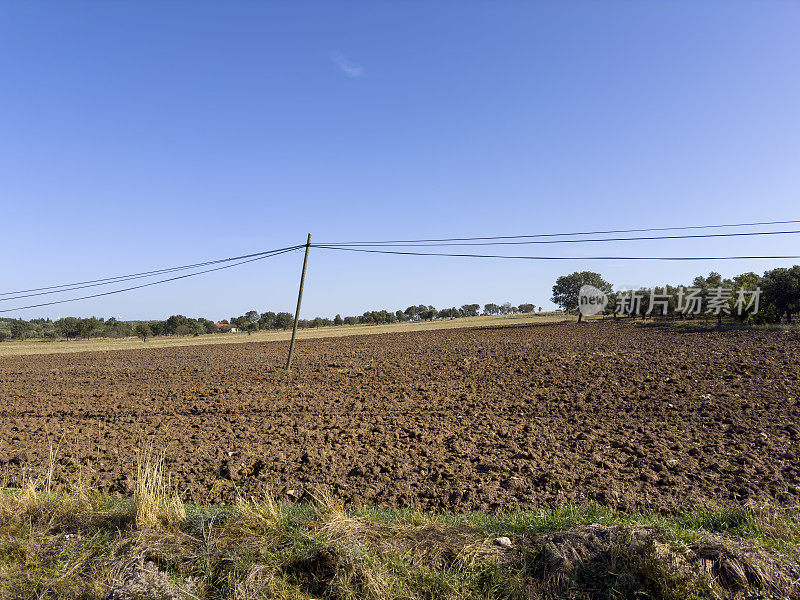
(77, 544)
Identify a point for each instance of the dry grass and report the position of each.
(157, 503)
(30, 347)
(78, 544)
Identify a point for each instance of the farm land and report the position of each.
(512, 416)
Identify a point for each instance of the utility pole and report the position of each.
(299, 300)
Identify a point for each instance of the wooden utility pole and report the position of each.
(299, 301)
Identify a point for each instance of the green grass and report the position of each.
(78, 545)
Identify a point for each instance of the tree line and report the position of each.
(778, 301)
(91, 327)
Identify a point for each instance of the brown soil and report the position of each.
(507, 417)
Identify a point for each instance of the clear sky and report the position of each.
(140, 135)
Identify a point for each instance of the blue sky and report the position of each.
(140, 135)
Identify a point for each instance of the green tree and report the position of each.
(565, 291)
(67, 327)
(427, 313)
(19, 329)
(470, 310)
(746, 282)
(284, 320)
(449, 313)
(207, 326)
(88, 327)
(267, 320)
(782, 288)
(176, 324)
(143, 331)
(337, 320)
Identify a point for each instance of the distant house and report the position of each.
(225, 327)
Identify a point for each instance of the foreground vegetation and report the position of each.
(78, 543)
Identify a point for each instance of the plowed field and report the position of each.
(460, 419)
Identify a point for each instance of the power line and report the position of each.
(262, 255)
(669, 258)
(19, 294)
(570, 241)
(119, 278)
(541, 235)
(359, 246)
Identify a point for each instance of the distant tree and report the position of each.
(337, 320)
(526, 308)
(412, 312)
(491, 309)
(284, 320)
(782, 289)
(19, 329)
(252, 316)
(565, 291)
(427, 313)
(88, 327)
(400, 316)
(707, 285)
(208, 326)
(158, 327)
(746, 282)
(67, 327)
(176, 324)
(239, 322)
(143, 331)
(48, 330)
(267, 320)
(470, 310)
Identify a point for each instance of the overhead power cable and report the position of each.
(544, 235)
(569, 241)
(670, 258)
(109, 280)
(261, 256)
